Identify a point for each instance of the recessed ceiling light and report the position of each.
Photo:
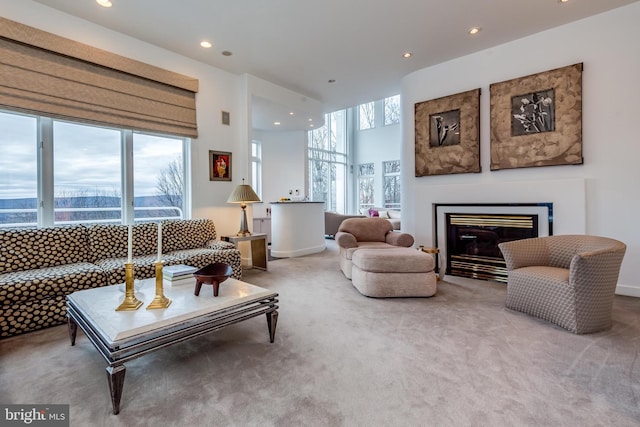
(276, 123)
(311, 125)
(407, 55)
(474, 30)
(226, 53)
(310, 120)
(205, 44)
(291, 113)
(563, 1)
(104, 3)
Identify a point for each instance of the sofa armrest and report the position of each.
(525, 253)
(346, 240)
(220, 245)
(399, 239)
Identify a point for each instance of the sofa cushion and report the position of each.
(399, 260)
(28, 249)
(49, 282)
(111, 240)
(143, 267)
(32, 315)
(187, 234)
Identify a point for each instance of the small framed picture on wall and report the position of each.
(219, 166)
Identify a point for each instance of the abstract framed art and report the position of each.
(447, 135)
(536, 120)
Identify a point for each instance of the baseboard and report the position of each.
(628, 291)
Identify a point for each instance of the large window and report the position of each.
(158, 177)
(366, 174)
(391, 184)
(56, 172)
(327, 162)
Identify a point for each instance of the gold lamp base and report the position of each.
(130, 301)
(159, 301)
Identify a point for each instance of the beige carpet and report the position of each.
(341, 359)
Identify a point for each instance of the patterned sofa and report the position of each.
(39, 267)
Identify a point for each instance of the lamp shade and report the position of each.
(243, 193)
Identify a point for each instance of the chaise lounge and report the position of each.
(381, 262)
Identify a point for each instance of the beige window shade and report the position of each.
(47, 74)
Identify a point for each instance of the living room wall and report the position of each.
(284, 165)
(599, 197)
(219, 90)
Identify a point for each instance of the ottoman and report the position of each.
(397, 272)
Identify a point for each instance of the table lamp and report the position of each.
(243, 194)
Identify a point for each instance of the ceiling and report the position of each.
(301, 45)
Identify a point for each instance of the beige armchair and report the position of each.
(369, 233)
(569, 280)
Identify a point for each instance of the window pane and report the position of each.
(366, 185)
(327, 162)
(366, 116)
(392, 184)
(158, 177)
(256, 167)
(392, 110)
(18, 170)
(86, 176)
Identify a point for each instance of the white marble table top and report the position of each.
(98, 306)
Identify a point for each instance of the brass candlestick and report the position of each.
(130, 301)
(159, 301)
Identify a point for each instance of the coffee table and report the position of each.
(121, 336)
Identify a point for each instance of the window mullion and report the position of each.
(127, 176)
(46, 213)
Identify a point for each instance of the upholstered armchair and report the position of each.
(569, 280)
(370, 233)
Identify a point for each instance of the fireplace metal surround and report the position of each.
(468, 235)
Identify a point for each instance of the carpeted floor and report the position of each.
(341, 359)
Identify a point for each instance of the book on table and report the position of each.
(179, 281)
(172, 272)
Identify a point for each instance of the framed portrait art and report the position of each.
(536, 120)
(220, 166)
(447, 134)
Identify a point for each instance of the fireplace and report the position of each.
(468, 235)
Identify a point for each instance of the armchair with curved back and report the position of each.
(569, 280)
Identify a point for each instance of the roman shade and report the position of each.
(46, 74)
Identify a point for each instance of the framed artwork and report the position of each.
(219, 166)
(536, 120)
(447, 135)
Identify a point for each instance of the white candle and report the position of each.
(159, 241)
(130, 245)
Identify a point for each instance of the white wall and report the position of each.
(284, 166)
(219, 90)
(608, 179)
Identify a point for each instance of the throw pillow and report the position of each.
(383, 214)
(373, 212)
